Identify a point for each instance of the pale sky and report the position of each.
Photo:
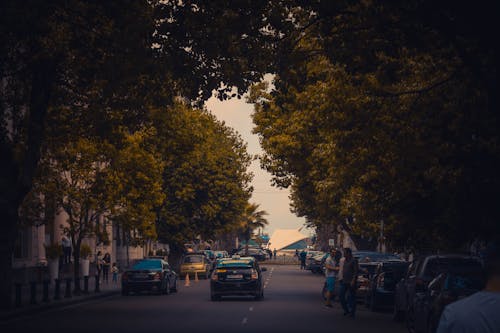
(236, 113)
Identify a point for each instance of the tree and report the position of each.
(375, 116)
(251, 220)
(106, 63)
(205, 178)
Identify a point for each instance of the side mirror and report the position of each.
(263, 269)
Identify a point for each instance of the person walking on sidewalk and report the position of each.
(98, 264)
(114, 271)
(66, 249)
(348, 285)
(303, 256)
(331, 269)
(106, 265)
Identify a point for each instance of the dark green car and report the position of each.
(237, 277)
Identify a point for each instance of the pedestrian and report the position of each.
(331, 270)
(478, 312)
(66, 249)
(106, 263)
(303, 256)
(274, 252)
(348, 285)
(98, 264)
(114, 271)
(297, 253)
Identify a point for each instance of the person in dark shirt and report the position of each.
(348, 285)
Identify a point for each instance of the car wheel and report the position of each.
(259, 296)
(167, 287)
(174, 287)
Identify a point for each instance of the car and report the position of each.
(372, 256)
(456, 283)
(240, 276)
(316, 263)
(154, 275)
(195, 264)
(221, 254)
(420, 273)
(257, 253)
(365, 272)
(380, 293)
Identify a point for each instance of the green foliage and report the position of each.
(366, 124)
(205, 178)
(85, 251)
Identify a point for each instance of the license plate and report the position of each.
(234, 276)
(140, 276)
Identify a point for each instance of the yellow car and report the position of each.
(193, 263)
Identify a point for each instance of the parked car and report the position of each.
(316, 263)
(221, 254)
(257, 253)
(195, 264)
(365, 272)
(454, 284)
(380, 292)
(154, 275)
(419, 274)
(240, 276)
(372, 256)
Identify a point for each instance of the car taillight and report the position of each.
(157, 276)
(254, 275)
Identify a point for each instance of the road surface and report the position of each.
(292, 303)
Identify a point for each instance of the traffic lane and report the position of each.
(188, 310)
(293, 304)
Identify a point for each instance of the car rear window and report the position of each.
(234, 264)
(147, 264)
(193, 259)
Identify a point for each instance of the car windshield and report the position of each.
(147, 264)
(193, 259)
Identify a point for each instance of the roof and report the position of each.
(282, 238)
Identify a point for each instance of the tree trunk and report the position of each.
(76, 263)
(16, 177)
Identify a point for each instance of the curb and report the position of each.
(35, 309)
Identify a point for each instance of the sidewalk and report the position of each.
(34, 301)
(106, 290)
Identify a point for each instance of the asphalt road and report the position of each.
(292, 303)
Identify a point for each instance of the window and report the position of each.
(22, 243)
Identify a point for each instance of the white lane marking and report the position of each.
(244, 321)
(251, 308)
